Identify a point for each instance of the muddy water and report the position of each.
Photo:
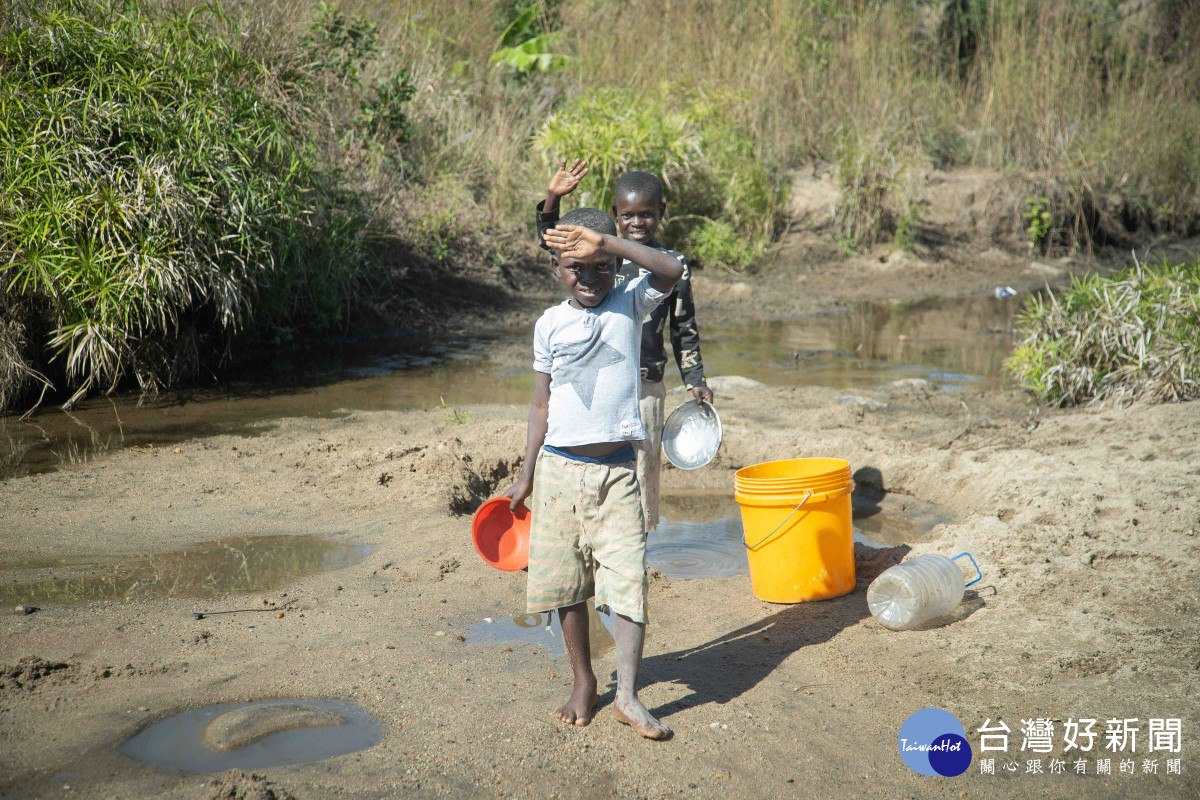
(542, 630)
(244, 564)
(396, 373)
(699, 534)
(178, 742)
(954, 343)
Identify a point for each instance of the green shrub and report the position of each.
(158, 188)
(716, 243)
(1135, 335)
(1041, 222)
(715, 180)
(341, 43)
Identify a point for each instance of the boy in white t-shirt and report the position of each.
(588, 536)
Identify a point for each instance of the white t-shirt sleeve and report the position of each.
(645, 296)
(542, 360)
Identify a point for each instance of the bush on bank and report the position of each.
(158, 192)
(1135, 335)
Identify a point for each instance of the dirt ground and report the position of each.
(1084, 522)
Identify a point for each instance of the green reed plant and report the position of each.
(1135, 335)
(158, 188)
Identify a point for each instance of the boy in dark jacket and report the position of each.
(639, 209)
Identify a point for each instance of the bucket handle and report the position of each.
(785, 520)
(978, 571)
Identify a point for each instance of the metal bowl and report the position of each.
(692, 435)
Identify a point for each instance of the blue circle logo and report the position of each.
(933, 742)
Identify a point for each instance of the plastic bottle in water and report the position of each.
(912, 593)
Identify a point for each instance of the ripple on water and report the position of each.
(715, 548)
(686, 549)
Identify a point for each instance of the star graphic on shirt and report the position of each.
(584, 362)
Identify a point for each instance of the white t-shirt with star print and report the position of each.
(593, 357)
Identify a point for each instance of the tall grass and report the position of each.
(1131, 336)
(1078, 92)
(157, 184)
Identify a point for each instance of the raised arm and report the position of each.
(572, 241)
(539, 411)
(562, 184)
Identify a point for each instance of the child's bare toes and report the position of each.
(635, 715)
(578, 710)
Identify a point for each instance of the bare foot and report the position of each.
(635, 715)
(578, 710)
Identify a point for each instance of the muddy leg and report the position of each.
(574, 621)
(627, 707)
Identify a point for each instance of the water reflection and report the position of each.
(543, 630)
(954, 343)
(178, 742)
(322, 382)
(243, 564)
(708, 549)
(699, 534)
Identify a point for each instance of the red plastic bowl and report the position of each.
(502, 537)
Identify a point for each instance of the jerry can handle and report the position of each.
(978, 571)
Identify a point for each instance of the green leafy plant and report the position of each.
(712, 171)
(154, 195)
(1039, 222)
(341, 43)
(386, 114)
(524, 50)
(716, 243)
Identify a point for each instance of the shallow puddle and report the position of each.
(242, 564)
(699, 534)
(178, 742)
(709, 549)
(954, 343)
(543, 630)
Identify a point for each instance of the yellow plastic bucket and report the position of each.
(793, 469)
(800, 542)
